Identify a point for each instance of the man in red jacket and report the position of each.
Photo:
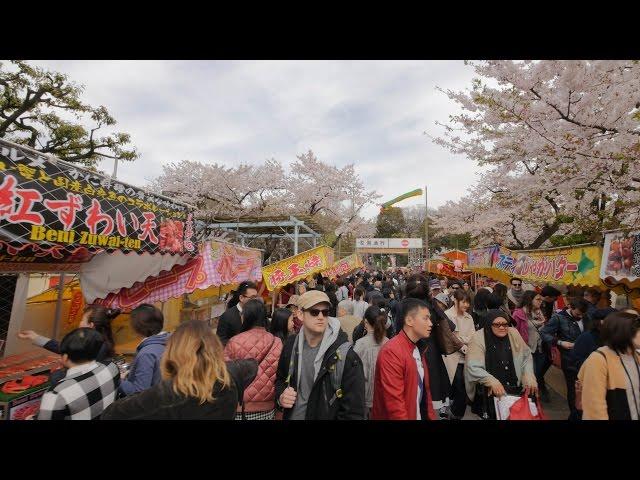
(401, 388)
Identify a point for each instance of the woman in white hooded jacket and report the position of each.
(464, 330)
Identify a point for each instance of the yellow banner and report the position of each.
(344, 266)
(297, 267)
(578, 265)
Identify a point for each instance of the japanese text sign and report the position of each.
(297, 267)
(218, 263)
(52, 211)
(344, 266)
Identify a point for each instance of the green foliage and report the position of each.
(391, 224)
(43, 109)
(566, 240)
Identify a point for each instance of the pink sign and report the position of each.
(218, 263)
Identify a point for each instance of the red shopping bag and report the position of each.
(520, 410)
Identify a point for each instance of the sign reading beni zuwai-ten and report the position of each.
(52, 211)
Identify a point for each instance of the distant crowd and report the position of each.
(372, 345)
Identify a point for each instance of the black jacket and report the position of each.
(563, 327)
(161, 402)
(349, 407)
(229, 324)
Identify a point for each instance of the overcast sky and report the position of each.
(371, 113)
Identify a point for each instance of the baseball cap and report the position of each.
(443, 298)
(311, 298)
(293, 300)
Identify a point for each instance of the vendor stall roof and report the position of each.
(55, 213)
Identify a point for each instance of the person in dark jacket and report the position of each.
(589, 341)
(480, 308)
(562, 330)
(307, 384)
(549, 296)
(282, 323)
(196, 383)
(439, 383)
(592, 296)
(230, 323)
(147, 321)
(330, 289)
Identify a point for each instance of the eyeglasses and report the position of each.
(499, 325)
(317, 311)
(516, 284)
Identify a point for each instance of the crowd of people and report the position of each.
(372, 345)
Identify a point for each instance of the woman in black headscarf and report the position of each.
(499, 363)
(439, 384)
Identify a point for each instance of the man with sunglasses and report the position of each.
(319, 375)
(515, 293)
(230, 322)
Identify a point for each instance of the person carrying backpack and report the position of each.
(319, 375)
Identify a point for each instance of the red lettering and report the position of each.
(147, 227)
(24, 213)
(122, 228)
(96, 216)
(66, 209)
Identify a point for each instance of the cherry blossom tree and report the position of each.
(561, 143)
(333, 197)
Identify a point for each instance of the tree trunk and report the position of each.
(547, 232)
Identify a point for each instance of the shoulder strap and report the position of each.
(337, 370)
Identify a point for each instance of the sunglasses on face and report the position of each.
(317, 311)
(516, 284)
(499, 325)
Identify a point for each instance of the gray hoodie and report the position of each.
(330, 336)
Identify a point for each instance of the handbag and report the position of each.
(521, 410)
(446, 340)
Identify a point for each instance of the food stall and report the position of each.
(56, 217)
(620, 266)
(197, 286)
(296, 268)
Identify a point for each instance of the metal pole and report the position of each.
(296, 230)
(56, 322)
(115, 169)
(426, 228)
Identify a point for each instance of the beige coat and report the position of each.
(474, 369)
(464, 331)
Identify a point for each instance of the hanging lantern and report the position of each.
(457, 264)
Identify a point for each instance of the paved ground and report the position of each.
(557, 408)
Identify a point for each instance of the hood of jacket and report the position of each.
(159, 339)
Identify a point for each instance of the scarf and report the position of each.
(515, 296)
(498, 354)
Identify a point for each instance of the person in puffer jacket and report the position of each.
(255, 342)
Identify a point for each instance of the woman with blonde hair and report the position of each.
(196, 383)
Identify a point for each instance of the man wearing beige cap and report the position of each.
(319, 375)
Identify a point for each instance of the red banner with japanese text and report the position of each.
(55, 212)
(297, 267)
(218, 263)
